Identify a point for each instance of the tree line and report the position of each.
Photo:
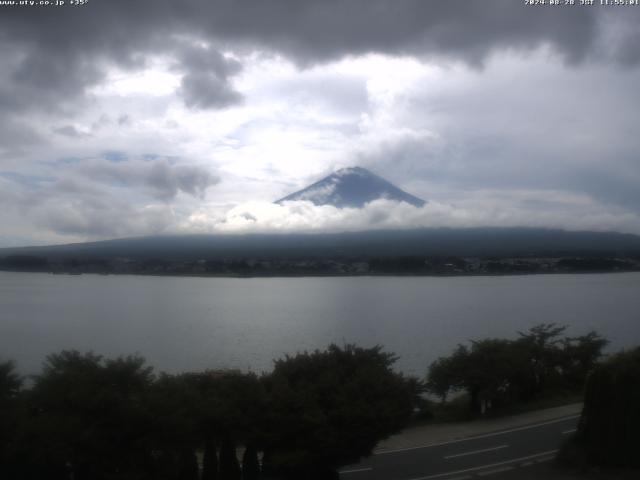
(495, 373)
(312, 265)
(85, 417)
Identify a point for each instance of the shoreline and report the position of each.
(327, 275)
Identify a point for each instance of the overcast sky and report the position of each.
(125, 117)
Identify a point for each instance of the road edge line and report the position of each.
(472, 469)
(483, 435)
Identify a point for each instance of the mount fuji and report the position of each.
(352, 187)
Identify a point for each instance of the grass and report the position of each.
(457, 409)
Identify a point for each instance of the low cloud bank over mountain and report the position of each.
(354, 198)
(304, 216)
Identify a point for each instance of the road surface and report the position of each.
(473, 457)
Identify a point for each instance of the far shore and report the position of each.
(327, 275)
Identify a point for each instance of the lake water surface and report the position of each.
(182, 323)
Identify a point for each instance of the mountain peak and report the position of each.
(352, 187)
(352, 171)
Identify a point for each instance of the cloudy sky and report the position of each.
(130, 117)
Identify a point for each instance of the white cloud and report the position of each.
(156, 79)
(483, 209)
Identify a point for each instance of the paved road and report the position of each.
(477, 456)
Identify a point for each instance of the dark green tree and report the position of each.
(330, 408)
(210, 460)
(490, 373)
(188, 465)
(580, 357)
(499, 372)
(201, 410)
(542, 345)
(487, 371)
(10, 389)
(608, 432)
(10, 383)
(90, 417)
(250, 463)
(175, 402)
(229, 465)
(442, 378)
(231, 406)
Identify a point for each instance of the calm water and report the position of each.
(195, 323)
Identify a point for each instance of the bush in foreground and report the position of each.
(330, 408)
(90, 418)
(609, 429)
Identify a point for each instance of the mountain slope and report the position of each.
(352, 187)
(386, 243)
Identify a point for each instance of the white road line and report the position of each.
(356, 470)
(491, 449)
(542, 460)
(567, 432)
(495, 470)
(473, 469)
(486, 435)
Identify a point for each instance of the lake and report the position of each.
(187, 323)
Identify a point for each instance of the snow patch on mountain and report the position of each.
(319, 194)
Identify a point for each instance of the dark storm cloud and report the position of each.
(43, 77)
(206, 90)
(14, 134)
(62, 47)
(159, 178)
(69, 131)
(204, 84)
(207, 60)
(498, 163)
(90, 201)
